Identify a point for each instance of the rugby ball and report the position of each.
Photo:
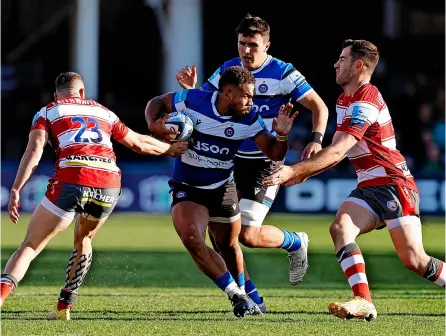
(180, 122)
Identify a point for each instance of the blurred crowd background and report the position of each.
(37, 46)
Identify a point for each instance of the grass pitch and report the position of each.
(143, 282)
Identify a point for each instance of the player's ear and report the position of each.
(55, 96)
(227, 93)
(267, 45)
(82, 93)
(359, 65)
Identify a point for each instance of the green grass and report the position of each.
(143, 282)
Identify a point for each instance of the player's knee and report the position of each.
(249, 236)
(337, 229)
(191, 238)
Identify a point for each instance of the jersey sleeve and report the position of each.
(294, 83)
(119, 129)
(257, 128)
(212, 82)
(179, 100)
(358, 118)
(39, 121)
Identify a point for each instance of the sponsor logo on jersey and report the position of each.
(205, 147)
(360, 115)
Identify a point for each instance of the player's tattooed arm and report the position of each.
(154, 109)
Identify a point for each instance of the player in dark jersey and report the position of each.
(277, 83)
(203, 190)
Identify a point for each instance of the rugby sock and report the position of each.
(353, 265)
(241, 281)
(227, 284)
(291, 241)
(436, 272)
(252, 292)
(7, 284)
(68, 294)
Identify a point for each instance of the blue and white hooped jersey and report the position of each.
(276, 83)
(209, 160)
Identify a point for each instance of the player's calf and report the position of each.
(407, 238)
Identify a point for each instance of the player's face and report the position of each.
(345, 68)
(240, 102)
(252, 50)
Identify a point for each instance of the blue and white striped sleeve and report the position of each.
(294, 83)
(179, 101)
(257, 128)
(212, 82)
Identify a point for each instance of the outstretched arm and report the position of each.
(275, 148)
(326, 158)
(147, 145)
(28, 164)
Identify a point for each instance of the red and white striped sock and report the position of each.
(436, 272)
(353, 265)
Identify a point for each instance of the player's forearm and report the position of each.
(28, 165)
(277, 149)
(152, 146)
(319, 162)
(320, 118)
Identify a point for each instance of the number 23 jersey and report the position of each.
(80, 133)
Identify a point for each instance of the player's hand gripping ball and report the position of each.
(180, 122)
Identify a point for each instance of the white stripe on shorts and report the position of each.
(51, 207)
(224, 219)
(401, 221)
(363, 204)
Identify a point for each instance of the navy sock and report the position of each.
(291, 241)
(252, 292)
(224, 281)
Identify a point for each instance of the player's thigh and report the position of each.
(224, 215)
(55, 212)
(44, 224)
(189, 211)
(96, 205)
(402, 219)
(255, 199)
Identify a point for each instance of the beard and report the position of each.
(344, 78)
(238, 111)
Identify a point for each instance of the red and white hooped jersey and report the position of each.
(365, 115)
(80, 133)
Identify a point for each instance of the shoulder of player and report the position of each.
(369, 94)
(282, 68)
(195, 97)
(232, 62)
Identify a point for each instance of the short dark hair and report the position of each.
(364, 50)
(66, 80)
(235, 75)
(251, 25)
